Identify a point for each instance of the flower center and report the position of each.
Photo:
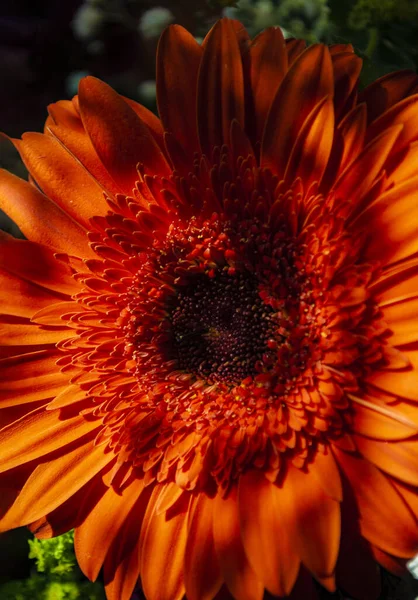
(221, 328)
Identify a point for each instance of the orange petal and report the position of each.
(317, 525)
(373, 420)
(311, 150)
(404, 113)
(403, 166)
(151, 121)
(235, 568)
(307, 82)
(30, 377)
(62, 178)
(267, 524)
(119, 137)
(52, 314)
(25, 334)
(67, 397)
(202, 573)
(397, 459)
(31, 297)
(377, 523)
(35, 263)
(52, 483)
(178, 60)
(121, 566)
(294, 49)
(383, 93)
(346, 66)
(66, 127)
(40, 219)
(359, 176)
(39, 434)
(399, 386)
(353, 131)
(162, 553)
(65, 517)
(268, 60)
(325, 470)
(393, 217)
(396, 281)
(401, 315)
(220, 95)
(102, 525)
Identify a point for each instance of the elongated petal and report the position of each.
(308, 81)
(359, 176)
(36, 263)
(122, 563)
(267, 534)
(32, 296)
(53, 482)
(311, 150)
(317, 525)
(236, 570)
(393, 215)
(163, 553)
(178, 60)
(268, 59)
(202, 572)
(220, 97)
(383, 93)
(102, 525)
(369, 486)
(120, 145)
(61, 178)
(396, 459)
(40, 219)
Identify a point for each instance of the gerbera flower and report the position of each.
(209, 339)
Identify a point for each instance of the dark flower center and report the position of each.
(221, 328)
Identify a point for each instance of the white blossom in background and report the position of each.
(154, 20)
(88, 20)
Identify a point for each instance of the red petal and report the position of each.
(178, 60)
(394, 219)
(398, 536)
(119, 137)
(353, 131)
(220, 96)
(294, 49)
(31, 297)
(387, 91)
(317, 521)
(202, 573)
(162, 553)
(39, 434)
(52, 483)
(35, 263)
(60, 177)
(236, 570)
(121, 566)
(398, 459)
(308, 81)
(102, 525)
(360, 175)
(311, 150)
(40, 219)
(268, 59)
(267, 524)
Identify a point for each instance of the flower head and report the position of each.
(208, 341)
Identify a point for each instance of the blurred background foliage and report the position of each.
(46, 46)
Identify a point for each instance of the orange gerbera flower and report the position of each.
(209, 340)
